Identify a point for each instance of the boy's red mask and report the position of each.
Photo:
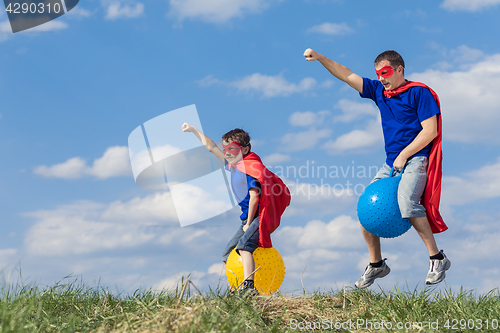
(386, 71)
(234, 148)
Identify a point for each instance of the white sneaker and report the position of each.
(437, 270)
(371, 273)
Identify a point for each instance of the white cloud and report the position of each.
(79, 12)
(5, 27)
(118, 10)
(47, 27)
(354, 110)
(275, 159)
(53, 237)
(468, 5)
(51, 26)
(327, 83)
(216, 269)
(307, 118)
(328, 28)
(197, 278)
(464, 54)
(357, 140)
(7, 257)
(215, 11)
(483, 183)
(208, 81)
(209, 202)
(319, 254)
(115, 162)
(155, 208)
(86, 227)
(469, 100)
(472, 260)
(267, 85)
(343, 232)
(303, 140)
(460, 58)
(71, 169)
(328, 197)
(272, 86)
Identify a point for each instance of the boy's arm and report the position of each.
(339, 71)
(252, 206)
(207, 142)
(427, 134)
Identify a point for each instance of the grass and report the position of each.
(72, 306)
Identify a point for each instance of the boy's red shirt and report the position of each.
(274, 196)
(432, 192)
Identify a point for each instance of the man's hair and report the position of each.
(238, 135)
(392, 56)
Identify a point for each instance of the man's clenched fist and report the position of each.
(311, 55)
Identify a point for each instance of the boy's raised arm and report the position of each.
(205, 140)
(339, 71)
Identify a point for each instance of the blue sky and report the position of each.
(73, 90)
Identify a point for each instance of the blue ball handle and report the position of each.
(392, 172)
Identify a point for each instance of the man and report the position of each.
(410, 114)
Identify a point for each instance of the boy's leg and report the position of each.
(247, 244)
(232, 243)
(248, 264)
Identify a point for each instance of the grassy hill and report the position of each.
(72, 306)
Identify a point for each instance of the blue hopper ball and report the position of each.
(378, 208)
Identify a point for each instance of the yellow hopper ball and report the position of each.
(267, 279)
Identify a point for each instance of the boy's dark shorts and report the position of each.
(247, 241)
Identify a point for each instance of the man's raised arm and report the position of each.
(339, 71)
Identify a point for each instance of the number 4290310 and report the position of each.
(471, 324)
(33, 8)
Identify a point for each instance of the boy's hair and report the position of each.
(238, 135)
(392, 56)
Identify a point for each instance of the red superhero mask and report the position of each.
(234, 148)
(386, 71)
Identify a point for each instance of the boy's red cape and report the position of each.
(432, 192)
(274, 196)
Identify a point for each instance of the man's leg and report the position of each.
(373, 244)
(372, 241)
(377, 267)
(421, 224)
(411, 187)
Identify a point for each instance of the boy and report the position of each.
(261, 195)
